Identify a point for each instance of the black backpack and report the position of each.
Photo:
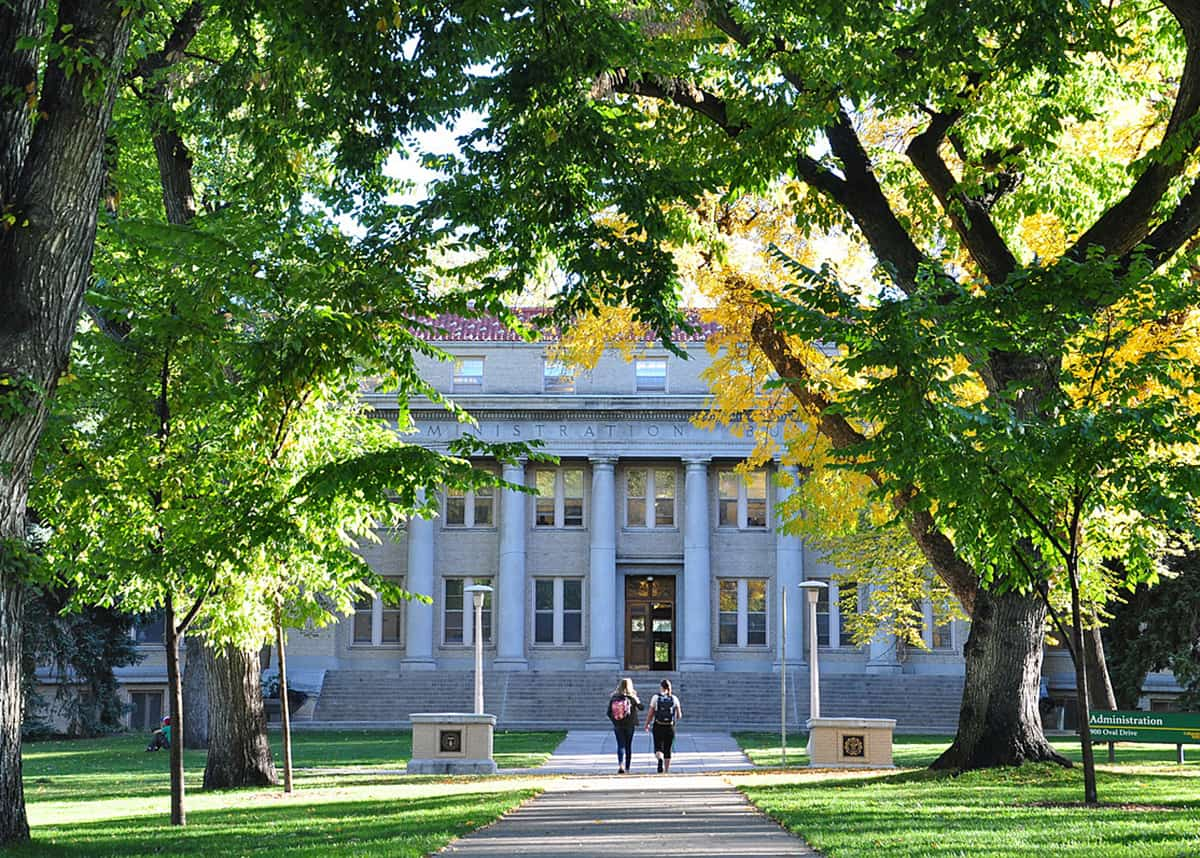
(664, 709)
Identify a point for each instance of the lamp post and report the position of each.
(478, 591)
(783, 677)
(812, 591)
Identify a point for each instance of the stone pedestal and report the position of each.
(850, 743)
(452, 743)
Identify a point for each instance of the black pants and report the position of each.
(624, 745)
(664, 738)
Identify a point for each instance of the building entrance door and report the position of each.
(650, 622)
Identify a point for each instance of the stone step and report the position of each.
(717, 700)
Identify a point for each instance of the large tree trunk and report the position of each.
(195, 694)
(998, 724)
(50, 172)
(238, 751)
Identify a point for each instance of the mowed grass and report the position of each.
(1151, 806)
(108, 797)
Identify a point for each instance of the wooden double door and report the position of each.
(650, 622)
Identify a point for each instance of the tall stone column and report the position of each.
(508, 611)
(882, 651)
(789, 569)
(697, 570)
(418, 616)
(602, 571)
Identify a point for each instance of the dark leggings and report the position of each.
(624, 745)
(664, 738)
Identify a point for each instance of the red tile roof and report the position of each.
(489, 329)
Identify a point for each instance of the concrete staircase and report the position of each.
(577, 699)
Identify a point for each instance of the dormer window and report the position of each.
(650, 375)
(468, 375)
(557, 377)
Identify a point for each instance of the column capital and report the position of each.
(603, 461)
(697, 462)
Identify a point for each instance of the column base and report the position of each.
(510, 664)
(416, 664)
(602, 664)
(792, 666)
(697, 664)
(885, 668)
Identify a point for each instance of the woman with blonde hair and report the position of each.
(623, 707)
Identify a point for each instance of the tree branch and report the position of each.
(968, 215)
(678, 91)
(175, 46)
(1127, 223)
(934, 544)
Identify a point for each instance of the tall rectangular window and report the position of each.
(742, 500)
(391, 620)
(846, 607)
(376, 622)
(727, 499)
(756, 499)
(147, 710)
(756, 612)
(559, 501)
(557, 377)
(650, 497)
(742, 612)
(664, 497)
(942, 635)
(364, 611)
(727, 614)
(557, 611)
(651, 375)
(468, 375)
(823, 616)
(470, 508)
(458, 611)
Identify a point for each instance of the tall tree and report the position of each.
(936, 136)
(59, 68)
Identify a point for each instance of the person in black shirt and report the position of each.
(623, 707)
(664, 713)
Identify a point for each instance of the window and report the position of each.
(458, 612)
(823, 616)
(475, 508)
(742, 612)
(844, 636)
(376, 622)
(742, 501)
(558, 611)
(559, 500)
(147, 710)
(149, 629)
(468, 375)
(942, 636)
(557, 377)
(643, 485)
(651, 375)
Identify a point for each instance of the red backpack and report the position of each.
(619, 708)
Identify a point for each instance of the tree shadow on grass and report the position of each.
(999, 812)
(362, 828)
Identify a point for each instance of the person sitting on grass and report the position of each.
(161, 738)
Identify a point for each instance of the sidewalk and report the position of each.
(594, 752)
(686, 812)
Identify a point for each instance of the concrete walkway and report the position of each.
(664, 814)
(594, 752)
(691, 811)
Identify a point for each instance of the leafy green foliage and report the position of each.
(1158, 628)
(79, 651)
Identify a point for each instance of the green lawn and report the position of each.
(108, 797)
(1008, 812)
